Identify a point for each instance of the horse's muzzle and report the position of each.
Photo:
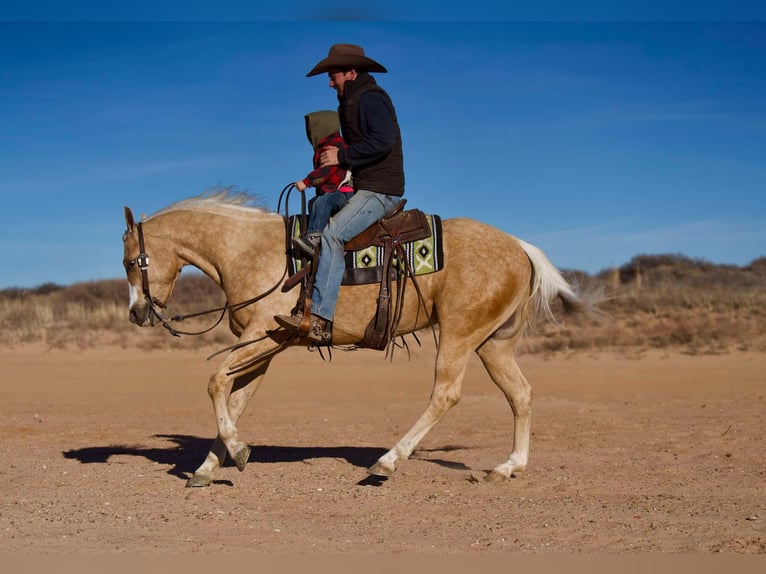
(141, 315)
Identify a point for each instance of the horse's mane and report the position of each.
(218, 199)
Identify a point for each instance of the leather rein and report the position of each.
(155, 305)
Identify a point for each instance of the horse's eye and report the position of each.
(130, 264)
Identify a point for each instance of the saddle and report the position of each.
(391, 232)
(399, 226)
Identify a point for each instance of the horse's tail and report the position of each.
(547, 283)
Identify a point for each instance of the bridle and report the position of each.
(142, 260)
(155, 305)
(143, 264)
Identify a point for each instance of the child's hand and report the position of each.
(300, 185)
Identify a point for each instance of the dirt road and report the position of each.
(630, 455)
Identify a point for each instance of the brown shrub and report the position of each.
(85, 315)
(662, 301)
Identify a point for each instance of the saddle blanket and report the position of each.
(364, 266)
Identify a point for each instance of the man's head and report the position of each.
(338, 79)
(345, 58)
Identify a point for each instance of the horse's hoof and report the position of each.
(198, 480)
(379, 469)
(241, 457)
(494, 476)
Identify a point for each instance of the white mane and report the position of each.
(218, 200)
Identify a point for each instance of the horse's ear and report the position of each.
(129, 219)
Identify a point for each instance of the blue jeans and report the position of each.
(325, 206)
(362, 210)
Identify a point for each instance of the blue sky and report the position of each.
(595, 140)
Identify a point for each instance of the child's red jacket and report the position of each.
(326, 179)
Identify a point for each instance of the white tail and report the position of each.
(547, 284)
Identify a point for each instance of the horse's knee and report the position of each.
(446, 399)
(216, 385)
(446, 396)
(523, 402)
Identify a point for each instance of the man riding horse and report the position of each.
(374, 155)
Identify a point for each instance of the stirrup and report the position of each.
(314, 331)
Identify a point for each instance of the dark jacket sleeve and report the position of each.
(376, 122)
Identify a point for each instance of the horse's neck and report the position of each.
(228, 248)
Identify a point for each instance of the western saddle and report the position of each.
(391, 232)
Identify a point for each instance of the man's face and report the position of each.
(339, 78)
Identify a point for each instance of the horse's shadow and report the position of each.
(186, 453)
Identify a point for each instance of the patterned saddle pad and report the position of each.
(364, 266)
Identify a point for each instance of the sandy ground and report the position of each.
(654, 453)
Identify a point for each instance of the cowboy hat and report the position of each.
(344, 56)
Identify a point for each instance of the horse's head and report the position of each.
(152, 267)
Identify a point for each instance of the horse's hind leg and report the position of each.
(451, 363)
(497, 356)
(244, 387)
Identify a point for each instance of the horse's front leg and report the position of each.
(230, 395)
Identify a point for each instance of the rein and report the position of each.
(155, 305)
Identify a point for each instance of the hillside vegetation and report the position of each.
(653, 301)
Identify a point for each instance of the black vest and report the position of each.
(387, 174)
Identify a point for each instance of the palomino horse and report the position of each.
(492, 288)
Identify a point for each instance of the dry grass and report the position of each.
(654, 301)
(670, 301)
(85, 315)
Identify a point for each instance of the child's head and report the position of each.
(321, 124)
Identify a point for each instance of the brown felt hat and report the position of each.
(346, 56)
